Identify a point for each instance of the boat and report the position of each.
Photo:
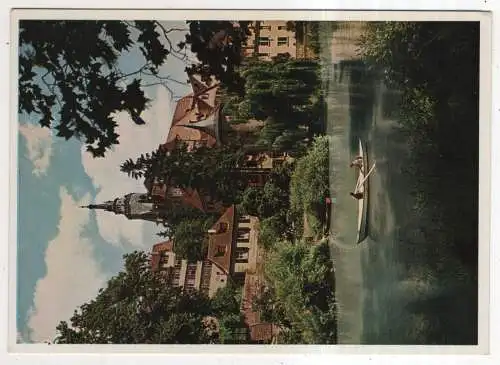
(363, 187)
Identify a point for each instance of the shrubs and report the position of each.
(300, 278)
(310, 181)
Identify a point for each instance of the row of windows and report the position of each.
(266, 41)
(190, 276)
(266, 54)
(269, 27)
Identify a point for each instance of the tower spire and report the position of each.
(105, 206)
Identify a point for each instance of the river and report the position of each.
(387, 288)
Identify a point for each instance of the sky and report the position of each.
(65, 254)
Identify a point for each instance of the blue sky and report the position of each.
(65, 253)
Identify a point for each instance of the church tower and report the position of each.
(132, 206)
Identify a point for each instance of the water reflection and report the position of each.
(387, 287)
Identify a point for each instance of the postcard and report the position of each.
(240, 179)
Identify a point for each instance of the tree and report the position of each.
(232, 329)
(286, 94)
(266, 201)
(300, 285)
(213, 170)
(310, 182)
(227, 300)
(219, 47)
(69, 75)
(137, 307)
(190, 237)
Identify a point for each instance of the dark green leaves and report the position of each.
(218, 45)
(137, 307)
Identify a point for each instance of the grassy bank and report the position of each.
(299, 274)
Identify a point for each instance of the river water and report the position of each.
(387, 291)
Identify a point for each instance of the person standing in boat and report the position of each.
(357, 162)
(357, 195)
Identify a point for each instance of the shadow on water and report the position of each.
(403, 285)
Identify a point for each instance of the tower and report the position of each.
(132, 206)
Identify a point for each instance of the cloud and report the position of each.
(39, 145)
(105, 172)
(73, 275)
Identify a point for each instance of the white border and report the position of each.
(316, 352)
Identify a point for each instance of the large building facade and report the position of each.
(233, 255)
(269, 39)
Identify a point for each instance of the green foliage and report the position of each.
(435, 67)
(266, 201)
(68, 75)
(70, 78)
(308, 33)
(271, 204)
(226, 300)
(232, 329)
(286, 94)
(271, 230)
(309, 184)
(137, 307)
(427, 62)
(190, 237)
(300, 278)
(218, 45)
(212, 170)
(178, 213)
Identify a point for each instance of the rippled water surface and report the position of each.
(387, 292)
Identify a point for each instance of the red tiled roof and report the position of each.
(182, 108)
(186, 111)
(259, 331)
(163, 246)
(155, 253)
(251, 290)
(220, 243)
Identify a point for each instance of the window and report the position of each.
(206, 273)
(263, 54)
(222, 227)
(265, 27)
(281, 27)
(282, 41)
(221, 250)
(264, 41)
(242, 255)
(190, 276)
(243, 234)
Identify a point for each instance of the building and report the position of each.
(269, 39)
(259, 331)
(200, 276)
(233, 255)
(132, 206)
(198, 121)
(197, 117)
(232, 243)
